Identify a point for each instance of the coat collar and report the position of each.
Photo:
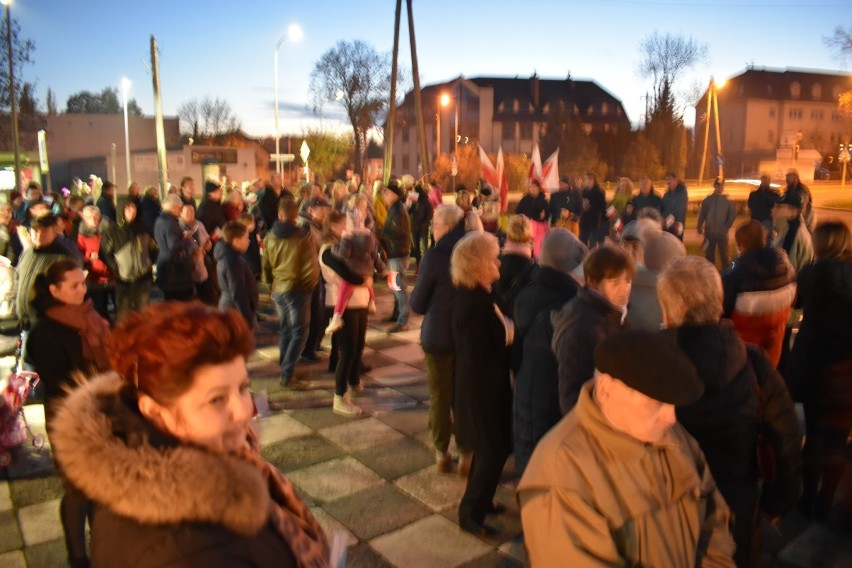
(118, 459)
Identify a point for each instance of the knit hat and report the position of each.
(662, 248)
(210, 186)
(651, 363)
(562, 251)
(395, 187)
(640, 230)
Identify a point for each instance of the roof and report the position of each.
(777, 84)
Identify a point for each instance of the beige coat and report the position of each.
(594, 496)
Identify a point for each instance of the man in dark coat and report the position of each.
(267, 204)
(646, 197)
(312, 216)
(727, 419)
(536, 400)
(593, 226)
(803, 194)
(210, 210)
(239, 287)
(433, 297)
(674, 205)
(174, 261)
(106, 202)
(395, 237)
(761, 201)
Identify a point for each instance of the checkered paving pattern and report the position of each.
(373, 478)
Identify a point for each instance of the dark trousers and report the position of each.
(419, 244)
(823, 460)
(439, 371)
(485, 470)
(101, 297)
(350, 343)
(316, 328)
(717, 241)
(131, 296)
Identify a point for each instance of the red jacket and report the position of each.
(90, 245)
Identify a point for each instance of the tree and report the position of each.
(578, 153)
(22, 50)
(329, 152)
(356, 76)
(642, 158)
(207, 118)
(51, 102)
(840, 43)
(105, 102)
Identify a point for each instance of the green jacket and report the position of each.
(32, 263)
(289, 260)
(592, 496)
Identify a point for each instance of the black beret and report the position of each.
(210, 186)
(651, 363)
(395, 187)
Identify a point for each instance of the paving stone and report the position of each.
(408, 353)
(515, 549)
(38, 490)
(412, 335)
(361, 434)
(408, 422)
(28, 462)
(494, 559)
(396, 458)
(13, 559)
(381, 341)
(280, 427)
(376, 511)
(10, 535)
(819, 546)
(331, 526)
(40, 523)
(397, 375)
(298, 453)
(318, 418)
(335, 479)
(364, 556)
(509, 522)
(5, 497)
(437, 490)
(433, 541)
(269, 353)
(47, 554)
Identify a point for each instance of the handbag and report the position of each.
(133, 259)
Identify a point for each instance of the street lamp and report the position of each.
(125, 87)
(294, 34)
(712, 108)
(444, 100)
(12, 102)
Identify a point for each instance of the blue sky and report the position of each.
(226, 49)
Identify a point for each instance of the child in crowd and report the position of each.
(358, 249)
(252, 254)
(239, 287)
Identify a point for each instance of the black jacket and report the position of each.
(211, 214)
(116, 236)
(174, 261)
(516, 271)
(760, 203)
(433, 294)
(157, 502)
(758, 270)
(149, 212)
(107, 208)
(536, 403)
(483, 392)
(594, 217)
(237, 283)
(267, 205)
(577, 329)
(421, 214)
(395, 234)
(55, 351)
(726, 420)
(824, 343)
(535, 208)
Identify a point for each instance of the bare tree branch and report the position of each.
(840, 43)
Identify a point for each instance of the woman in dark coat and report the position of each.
(174, 259)
(516, 263)
(533, 205)
(125, 247)
(820, 369)
(165, 449)
(597, 312)
(68, 338)
(483, 397)
(421, 216)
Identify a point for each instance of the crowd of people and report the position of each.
(647, 395)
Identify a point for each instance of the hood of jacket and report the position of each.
(585, 304)
(223, 252)
(448, 241)
(715, 349)
(285, 229)
(120, 460)
(767, 268)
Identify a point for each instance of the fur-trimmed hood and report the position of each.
(120, 460)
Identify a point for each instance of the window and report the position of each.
(546, 108)
(404, 134)
(771, 112)
(816, 91)
(590, 110)
(406, 162)
(501, 107)
(795, 113)
(835, 92)
(526, 130)
(836, 116)
(618, 110)
(509, 131)
(816, 114)
(604, 109)
(795, 90)
(516, 105)
(576, 110)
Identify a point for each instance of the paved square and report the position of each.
(377, 511)
(334, 479)
(40, 523)
(429, 543)
(361, 434)
(437, 491)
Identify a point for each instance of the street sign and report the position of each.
(42, 152)
(304, 152)
(283, 158)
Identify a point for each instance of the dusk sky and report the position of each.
(226, 49)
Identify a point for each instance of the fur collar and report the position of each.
(118, 459)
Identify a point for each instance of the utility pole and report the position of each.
(418, 101)
(12, 101)
(162, 162)
(389, 122)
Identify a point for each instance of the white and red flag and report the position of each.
(535, 165)
(486, 169)
(504, 182)
(550, 172)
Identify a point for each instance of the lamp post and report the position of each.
(12, 102)
(125, 86)
(294, 34)
(712, 107)
(444, 100)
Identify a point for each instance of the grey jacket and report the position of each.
(717, 215)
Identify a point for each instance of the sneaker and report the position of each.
(371, 308)
(342, 407)
(335, 324)
(398, 327)
(354, 391)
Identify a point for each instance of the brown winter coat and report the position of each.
(593, 496)
(158, 502)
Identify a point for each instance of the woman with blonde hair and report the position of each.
(483, 393)
(516, 262)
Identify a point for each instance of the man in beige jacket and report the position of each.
(617, 482)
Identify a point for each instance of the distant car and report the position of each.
(822, 173)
